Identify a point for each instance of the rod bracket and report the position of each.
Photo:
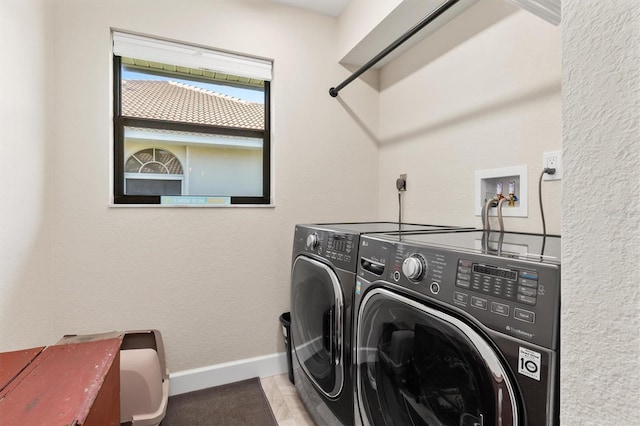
(333, 92)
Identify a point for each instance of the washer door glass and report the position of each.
(420, 366)
(317, 322)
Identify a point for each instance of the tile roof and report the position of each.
(173, 101)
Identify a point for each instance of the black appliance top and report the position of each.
(532, 247)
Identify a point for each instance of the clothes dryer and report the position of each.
(457, 329)
(322, 284)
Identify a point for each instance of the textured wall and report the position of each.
(601, 213)
(213, 280)
(25, 145)
(489, 101)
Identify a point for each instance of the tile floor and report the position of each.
(286, 405)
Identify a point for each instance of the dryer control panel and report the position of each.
(515, 297)
(337, 248)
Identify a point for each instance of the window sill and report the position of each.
(191, 206)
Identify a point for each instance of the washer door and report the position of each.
(317, 307)
(420, 366)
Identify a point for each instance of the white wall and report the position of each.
(358, 19)
(490, 101)
(214, 281)
(600, 368)
(26, 293)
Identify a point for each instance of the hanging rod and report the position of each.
(406, 36)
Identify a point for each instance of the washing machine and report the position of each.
(457, 329)
(322, 284)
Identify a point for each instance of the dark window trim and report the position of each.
(150, 123)
(120, 122)
(118, 133)
(266, 150)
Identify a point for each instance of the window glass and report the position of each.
(189, 132)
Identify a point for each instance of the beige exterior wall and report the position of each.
(220, 170)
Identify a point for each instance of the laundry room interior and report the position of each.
(429, 134)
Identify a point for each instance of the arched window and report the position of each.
(153, 171)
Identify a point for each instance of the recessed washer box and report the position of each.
(486, 182)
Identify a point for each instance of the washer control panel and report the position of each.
(505, 283)
(515, 297)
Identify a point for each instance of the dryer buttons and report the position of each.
(435, 288)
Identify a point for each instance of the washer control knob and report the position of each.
(312, 241)
(414, 267)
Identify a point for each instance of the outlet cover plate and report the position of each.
(552, 159)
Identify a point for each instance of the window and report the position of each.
(153, 171)
(191, 124)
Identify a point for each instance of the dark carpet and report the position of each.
(236, 404)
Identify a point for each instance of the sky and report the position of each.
(244, 94)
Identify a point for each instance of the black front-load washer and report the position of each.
(457, 329)
(322, 285)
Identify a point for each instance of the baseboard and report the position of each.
(228, 372)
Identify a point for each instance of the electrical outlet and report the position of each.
(552, 160)
(401, 182)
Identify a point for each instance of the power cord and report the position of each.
(401, 186)
(544, 226)
(399, 208)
